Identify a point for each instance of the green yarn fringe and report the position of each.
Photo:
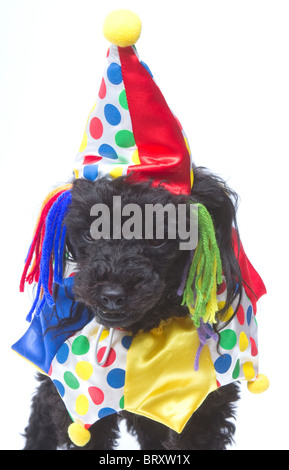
(200, 292)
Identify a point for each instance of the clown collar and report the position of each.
(152, 374)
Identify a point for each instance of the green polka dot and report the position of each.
(80, 345)
(236, 371)
(228, 339)
(121, 160)
(123, 99)
(71, 380)
(121, 402)
(124, 139)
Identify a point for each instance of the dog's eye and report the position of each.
(85, 234)
(158, 242)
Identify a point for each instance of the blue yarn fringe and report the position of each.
(53, 246)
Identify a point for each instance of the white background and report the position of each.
(223, 68)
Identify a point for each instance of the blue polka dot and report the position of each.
(62, 354)
(90, 172)
(106, 412)
(115, 378)
(223, 363)
(114, 74)
(107, 151)
(126, 341)
(112, 114)
(60, 387)
(249, 314)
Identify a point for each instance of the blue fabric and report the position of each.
(40, 348)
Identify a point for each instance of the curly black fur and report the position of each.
(146, 274)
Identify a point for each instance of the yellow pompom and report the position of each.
(78, 434)
(122, 28)
(260, 385)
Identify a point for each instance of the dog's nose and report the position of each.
(112, 297)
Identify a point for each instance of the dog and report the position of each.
(133, 284)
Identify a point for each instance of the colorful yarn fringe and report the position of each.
(200, 292)
(45, 256)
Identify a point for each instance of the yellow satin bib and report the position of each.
(161, 382)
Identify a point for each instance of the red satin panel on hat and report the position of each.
(253, 284)
(162, 150)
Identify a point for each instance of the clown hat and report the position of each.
(131, 129)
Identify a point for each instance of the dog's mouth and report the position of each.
(112, 318)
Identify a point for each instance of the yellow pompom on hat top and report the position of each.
(122, 28)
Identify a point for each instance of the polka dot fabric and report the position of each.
(108, 146)
(90, 391)
(237, 355)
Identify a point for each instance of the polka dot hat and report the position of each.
(130, 129)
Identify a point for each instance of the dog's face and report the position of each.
(129, 283)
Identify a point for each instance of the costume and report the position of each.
(131, 130)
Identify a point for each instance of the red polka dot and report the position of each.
(102, 90)
(96, 395)
(221, 288)
(254, 349)
(87, 426)
(218, 384)
(96, 128)
(50, 371)
(111, 357)
(241, 315)
(89, 159)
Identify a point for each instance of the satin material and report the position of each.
(252, 282)
(39, 345)
(163, 153)
(161, 382)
